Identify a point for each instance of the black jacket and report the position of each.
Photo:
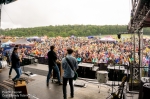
(15, 60)
(52, 57)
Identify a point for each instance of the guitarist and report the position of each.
(16, 63)
(52, 58)
(69, 72)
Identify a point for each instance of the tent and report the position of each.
(108, 38)
(22, 42)
(8, 42)
(90, 37)
(35, 38)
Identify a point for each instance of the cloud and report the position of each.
(33, 13)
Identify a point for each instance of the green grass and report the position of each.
(125, 36)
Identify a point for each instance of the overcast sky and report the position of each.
(33, 13)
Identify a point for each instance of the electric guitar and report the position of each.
(120, 89)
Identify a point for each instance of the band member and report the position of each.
(16, 63)
(68, 72)
(52, 58)
(16, 46)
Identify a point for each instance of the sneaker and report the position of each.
(9, 76)
(13, 80)
(71, 96)
(60, 83)
(47, 84)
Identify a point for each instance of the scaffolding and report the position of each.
(140, 18)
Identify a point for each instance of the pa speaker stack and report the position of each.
(144, 80)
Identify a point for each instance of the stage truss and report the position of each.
(140, 18)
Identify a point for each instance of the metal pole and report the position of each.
(0, 16)
(139, 53)
(133, 62)
(0, 24)
(132, 4)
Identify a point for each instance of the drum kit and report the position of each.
(102, 76)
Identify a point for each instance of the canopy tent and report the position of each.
(6, 44)
(90, 37)
(108, 38)
(22, 42)
(35, 38)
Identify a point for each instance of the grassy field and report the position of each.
(125, 36)
(114, 36)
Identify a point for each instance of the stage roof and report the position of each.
(140, 15)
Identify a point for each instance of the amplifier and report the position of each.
(85, 70)
(102, 66)
(21, 90)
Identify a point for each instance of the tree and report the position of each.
(68, 30)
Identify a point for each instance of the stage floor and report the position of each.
(38, 88)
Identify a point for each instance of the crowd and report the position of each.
(90, 50)
(73, 50)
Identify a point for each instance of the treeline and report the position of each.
(68, 30)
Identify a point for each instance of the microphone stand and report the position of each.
(28, 73)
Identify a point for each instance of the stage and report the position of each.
(39, 90)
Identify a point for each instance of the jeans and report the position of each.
(10, 70)
(8, 60)
(65, 80)
(19, 72)
(56, 69)
(149, 71)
